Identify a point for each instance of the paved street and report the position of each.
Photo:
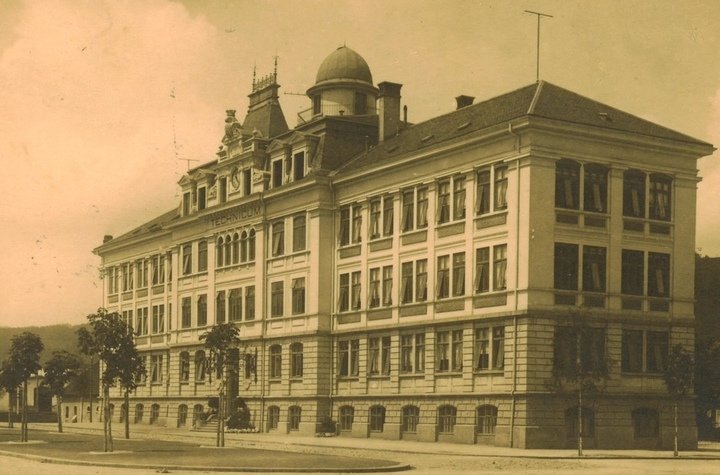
(425, 458)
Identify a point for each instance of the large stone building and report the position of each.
(423, 281)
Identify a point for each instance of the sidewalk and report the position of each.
(707, 451)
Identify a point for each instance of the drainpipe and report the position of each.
(517, 273)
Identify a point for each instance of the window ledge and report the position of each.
(409, 375)
(488, 372)
(378, 376)
(448, 373)
(410, 232)
(348, 378)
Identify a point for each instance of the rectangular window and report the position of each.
(500, 267)
(566, 266)
(381, 217)
(632, 351)
(250, 302)
(458, 274)
(448, 349)
(344, 237)
(186, 203)
(187, 259)
(421, 280)
(412, 353)
(278, 238)
(142, 273)
(127, 316)
(202, 202)
(375, 218)
(374, 300)
(299, 166)
(344, 293)
(356, 224)
(657, 351)
(299, 233)
(186, 312)
(482, 270)
(220, 307)
(202, 310)
(158, 323)
(501, 184)
(222, 189)
(158, 270)
(414, 208)
(498, 347)
(443, 277)
(348, 357)
(406, 291)
(298, 296)
(589, 341)
(156, 368)
(350, 224)
(443, 204)
(276, 299)
(634, 194)
(567, 184)
(142, 321)
(388, 218)
(408, 210)
(277, 176)
(202, 256)
(482, 198)
(387, 285)
(658, 274)
(235, 304)
(633, 272)
(594, 264)
(356, 293)
(127, 275)
(459, 198)
(660, 194)
(595, 184)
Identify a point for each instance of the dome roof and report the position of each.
(344, 63)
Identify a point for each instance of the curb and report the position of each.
(203, 468)
(276, 445)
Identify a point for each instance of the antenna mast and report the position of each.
(539, 15)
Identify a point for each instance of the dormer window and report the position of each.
(299, 166)
(277, 173)
(201, 198)
(186, 203)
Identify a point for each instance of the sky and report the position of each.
(102, 102)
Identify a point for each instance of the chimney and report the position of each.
(464, 101)
(107, 238)
(388, 110)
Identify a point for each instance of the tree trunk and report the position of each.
(23, 423)
(675, 409)
(12, 405)
(127, 413)
(59, 413)
(580, 421)
(91, 387)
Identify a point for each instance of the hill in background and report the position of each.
(54, 337)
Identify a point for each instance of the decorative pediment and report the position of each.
(185, 180)
(276, 145)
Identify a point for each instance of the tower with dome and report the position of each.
(420, 281)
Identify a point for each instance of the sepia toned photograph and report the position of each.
(360, 236)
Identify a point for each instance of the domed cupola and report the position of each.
(343, 85)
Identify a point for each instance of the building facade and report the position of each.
(423, 281)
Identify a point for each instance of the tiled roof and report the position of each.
(153, 225)
(541, 99)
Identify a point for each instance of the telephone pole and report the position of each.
(539, 16)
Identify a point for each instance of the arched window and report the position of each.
(251, 245)
(197, 414)
(200, 365)
(273, 417)
(486, 419)
(219, 252)
(377, 418)
(567, 184)
(138, 413)
(346, 416)
(571, 422)
(646, 423)
(446, 419)
(243, 247)
(296, 360)
(235, 250)
(154, 413)
(184, 366)
(294, 414)
(410, 419)
(228, 250)
(182, 414)
(276, 361)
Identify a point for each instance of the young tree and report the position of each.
(679, 380)
(25, 350)
(109, 339)
(131, 369)
(580, 362)
(219, 340)
(10, 381)
(59, 371)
